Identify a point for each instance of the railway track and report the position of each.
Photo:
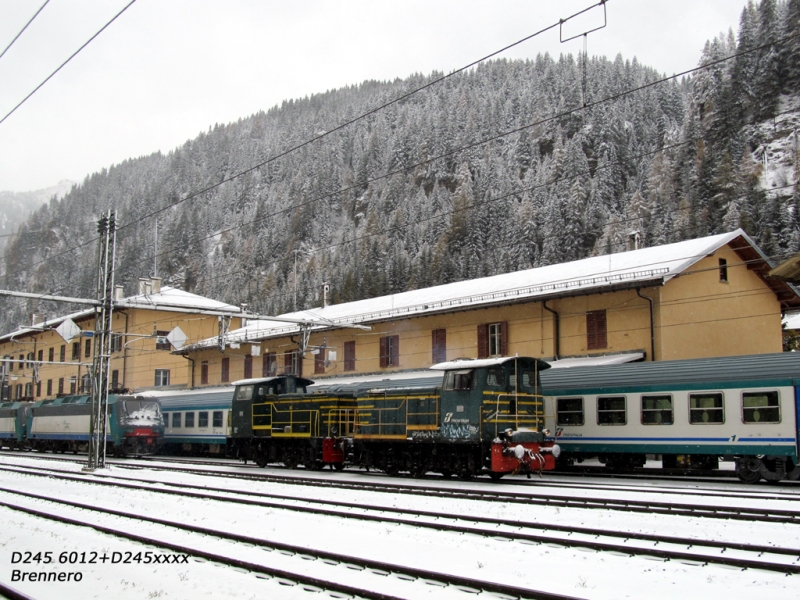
(387, 581)
(417, 486)
(784, 560)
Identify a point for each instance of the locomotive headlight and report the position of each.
(546, 432)
(556, 450)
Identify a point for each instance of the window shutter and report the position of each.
(602, 341)
(384, 351)
(248, 367)
(504, 338)
(319, 361)
(483, 341)
(349, 356)
(439, 345)
(395, 351)
(287, 362)
(596, 337)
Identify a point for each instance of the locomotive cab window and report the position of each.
(495, 377)
(459, 380)
(244, 392)
(706, 408)
(761, 407)
(529, 379)
(611, 410)
(657, 410)
(569, 411)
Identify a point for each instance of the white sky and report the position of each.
(168, 69)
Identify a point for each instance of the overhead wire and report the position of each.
(23, 29)
(73, 55)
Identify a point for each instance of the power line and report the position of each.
(74, 54)
(24, 28)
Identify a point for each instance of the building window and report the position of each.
(162, 377)
(761, 407)
(492, 340)
(86, 384)
(115, 379)
(10, 364)
(38, 389)
(292, 365)
(319, 360)
(22, 360)
(202, 418)
(176, 420)
(162, 343)
(269, 364)
(76, 350)
(73, 385)
(217, 414)
(19, 391)
(248, 367)
(116, 342)
(189, 422)
(30, 360)
(61, 385)
(569, 411)
(29, 390)
(390, 351)
(62, 354)
(204, 372)
(438, 346)
(40, 356)
(706, 408)
(657, 410)
(226, 369)
(596, 334)
(723, 270)
(51, 355)
(349, 356)
(49, 387)
(611, 410)
(87, 349)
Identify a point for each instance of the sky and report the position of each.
(166, 70)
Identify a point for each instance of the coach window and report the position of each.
(176, 420)
(569, 411)
(202, 418)
(611, 410)
(761, 407)
(657, 410)
(189, 420)
(217, 415)
(706, 408)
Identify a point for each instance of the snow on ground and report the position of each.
(572, 571)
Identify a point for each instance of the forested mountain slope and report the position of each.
(511, 165)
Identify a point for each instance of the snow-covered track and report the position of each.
(395, 576)
(740, 555)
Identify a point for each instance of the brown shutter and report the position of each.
(602, 337)
(504, 338)
(596, 334)
(349, 356)
(319, 361)
(287, 362)
(483, 341)
(591, 331)
(384, 353)
(438, 346)
(396, 351)
(248, 366)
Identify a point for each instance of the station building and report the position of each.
(698, 298)
(38, 362)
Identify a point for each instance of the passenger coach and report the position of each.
(691, 412)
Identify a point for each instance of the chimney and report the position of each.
(325, 291)
(145, 286)
(156, 285)
(119, 292)
(634, 240)
(37, 319)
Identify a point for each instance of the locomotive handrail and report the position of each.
(432, 415)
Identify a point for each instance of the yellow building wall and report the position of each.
(702, 316)
(135, 363)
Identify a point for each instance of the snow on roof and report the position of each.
(792, 321)
(594, 361)
(659, 263)
(163, 300)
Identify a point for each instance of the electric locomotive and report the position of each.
(13, 424)
(134, 424)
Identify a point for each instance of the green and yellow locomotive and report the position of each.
(486, 416)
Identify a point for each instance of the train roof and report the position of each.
(408, 380)
(783, 367)
(301, 381)
(199, 398)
